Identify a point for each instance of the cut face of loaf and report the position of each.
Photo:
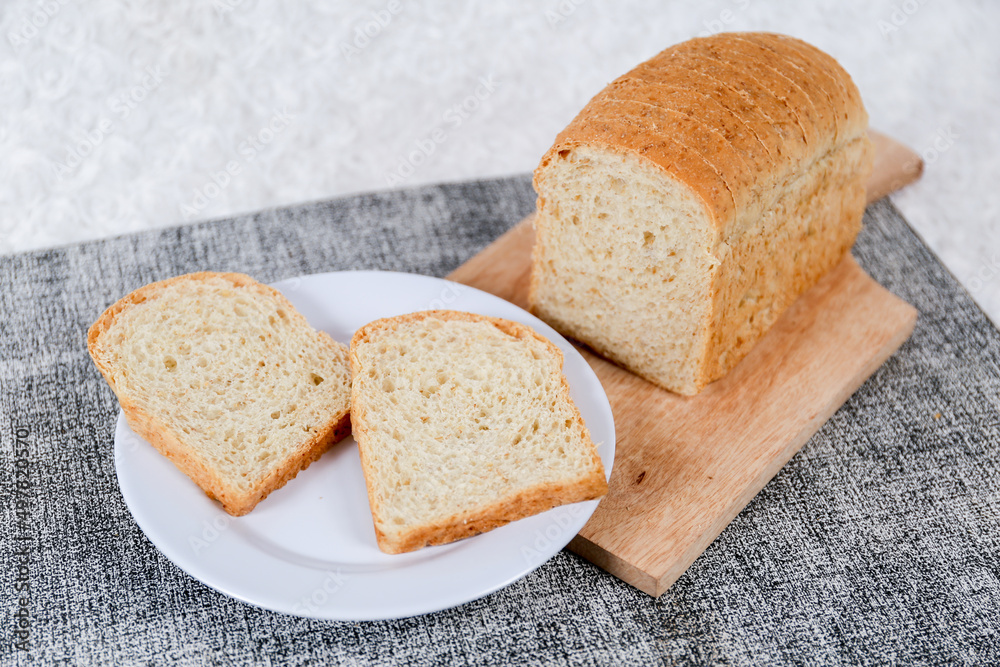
(694, 199)
(464, 423)
(226, 379)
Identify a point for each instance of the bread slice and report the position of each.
(226, 379)
(464, 424)
(694, 199)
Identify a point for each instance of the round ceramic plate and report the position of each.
(309, 548)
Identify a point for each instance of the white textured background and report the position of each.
(118, 116)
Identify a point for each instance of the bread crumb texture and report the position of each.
(464, 423)
(694, 199)
(227, 379)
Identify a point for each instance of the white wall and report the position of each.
(116, 117)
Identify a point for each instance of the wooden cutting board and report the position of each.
(685, 467)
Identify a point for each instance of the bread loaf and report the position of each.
(226, 379)
(464, 423)
(694, 198)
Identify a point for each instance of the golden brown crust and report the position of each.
(660, 123)
(624, 135)
(706, 109)
(795, 128)
(171, 445)
(827, 62)
(138, 296)
(814, 81)
(791, 137)
(235, 503)
(515, 329)
(801, 107)
(830, 198)
(753, 117)
(808, 57)
(798, 103)
(517, 506)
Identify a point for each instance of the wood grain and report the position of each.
(895, 165)
(684, 467)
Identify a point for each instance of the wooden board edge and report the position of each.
(614, 565)
(895, 166)
(665, 579)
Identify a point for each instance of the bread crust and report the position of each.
(169, 443)
(516, 506)
(791, 138)
(702, 107)
(801, 107)
(836, 204)
(785, 89)
(676, 160)
(786, 46)
(827, 110)
(706, 141)
(753, 117)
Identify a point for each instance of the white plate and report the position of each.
(309, 548)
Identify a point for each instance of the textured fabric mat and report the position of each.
(878, 543)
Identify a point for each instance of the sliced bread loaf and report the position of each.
(694, 199)
(464, 424)
(225, 378)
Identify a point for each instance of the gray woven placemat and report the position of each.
(877, 543)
